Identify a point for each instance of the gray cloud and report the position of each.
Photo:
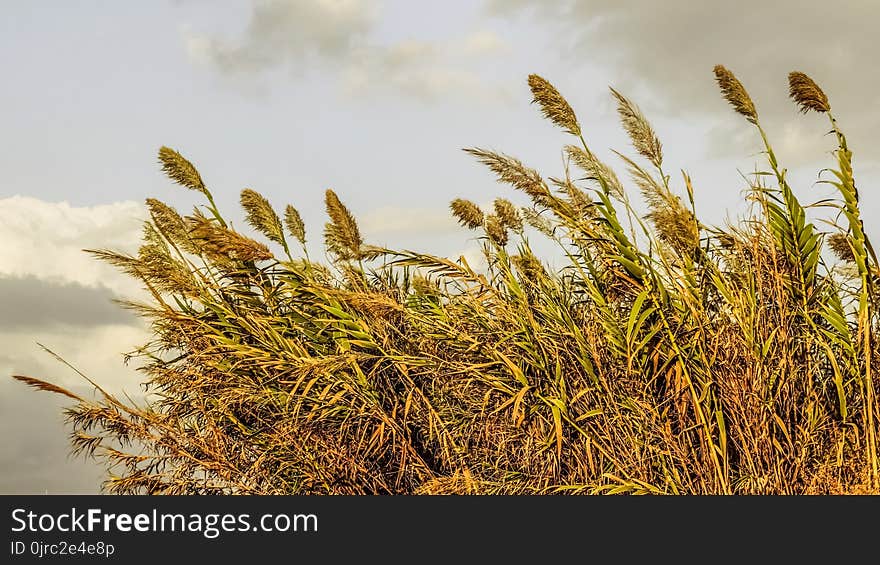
(281, 31)
(341, 35)
(46, 240)
(30, 302)
(663, 54)
(34, 449)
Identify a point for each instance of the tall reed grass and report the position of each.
(665, 356)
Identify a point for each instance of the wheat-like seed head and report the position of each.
(735, 93)
(171, 225)
(261, 216)
(676, 225)
(47, 387)
(341, 233)
(578, 199)
(529, 267)
(553, 105)
(596, 170)
(425, 286)
(495, 230)
(511, 171)
(467, 213)
(639, 129)
(181, 171)
(295, 224)
(839, 244)
(807, 94)
(508, 213)
(534, 219)
(223, 244)
(156, 267)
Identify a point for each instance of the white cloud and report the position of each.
(46, 240)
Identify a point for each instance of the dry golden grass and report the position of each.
(688, 360)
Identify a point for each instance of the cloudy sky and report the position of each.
(374, 99)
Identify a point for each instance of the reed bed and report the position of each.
(664, 357)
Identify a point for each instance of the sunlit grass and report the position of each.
(665, 356)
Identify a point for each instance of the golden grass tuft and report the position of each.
(652, 355)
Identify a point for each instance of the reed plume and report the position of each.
(840, 244)
(171, 225)
(511, 171)
(181, 171)
(508, 214)
(222, 244)
(595, 170)
(295, 225)
(261, 216)
(807, 94)
(341, 234)
(467, 213)
(537, 221)
(553, 105)
(735, 93)
(496, 230)
(639, 129)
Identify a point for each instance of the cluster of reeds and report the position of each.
(664, 357)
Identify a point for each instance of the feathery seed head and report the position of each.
(295, 224)
(508, 214)
(156, 267)
(596, 170)
(261, 216)
(676, 225)
(529, 267)
(534, 219)
(639, 129)
(495, 230)
(807, 94)
(341, 233)
(735, 93)
(425, 286)
(580, 201)
(511, 171)
(467, 213)
(840, 245)
(223, 244)
(553, 105)
(181, 171)
(171, 225)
